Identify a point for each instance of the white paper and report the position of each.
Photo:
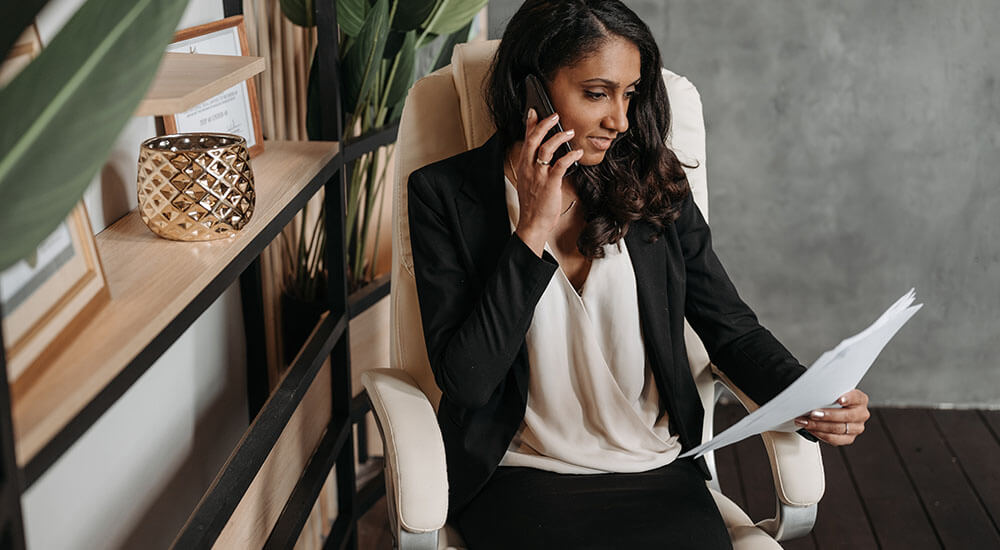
(835, 373)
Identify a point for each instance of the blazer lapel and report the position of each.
(485, 223)
(649, 261)
(482, 206)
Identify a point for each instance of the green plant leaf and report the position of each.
(314, 128)
(61, 115)
(452, 15)
(395, 111)
(299, 12)
(412, 13)
(402, 78)
(16, 16)
(393, 42)
(351, 15)
(457, 37)
(425, 40)
(360, 63)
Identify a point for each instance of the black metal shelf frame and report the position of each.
(162, 341)
(269, 413)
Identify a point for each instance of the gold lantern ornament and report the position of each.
(196, 186)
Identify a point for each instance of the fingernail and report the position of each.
(555, 116)
(531, 114)
(801, 422)
(843, 400)
(818, 414)
(570, 132)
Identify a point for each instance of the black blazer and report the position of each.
(478, 285)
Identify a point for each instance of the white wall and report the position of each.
(132, 480)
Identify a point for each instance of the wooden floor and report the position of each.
(916, 479)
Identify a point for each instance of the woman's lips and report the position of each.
(602, 144)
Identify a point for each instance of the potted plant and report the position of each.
(382, 45)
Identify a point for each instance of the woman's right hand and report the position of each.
(539, 187)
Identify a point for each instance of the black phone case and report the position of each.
(536, 98)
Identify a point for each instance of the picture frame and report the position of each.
(45, 298)
(234, 111)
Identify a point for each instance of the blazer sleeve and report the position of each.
(736, 342)
(474, 326)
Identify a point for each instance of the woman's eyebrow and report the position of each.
(609, 83)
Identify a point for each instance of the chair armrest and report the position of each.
(797, 469)
(416, 474)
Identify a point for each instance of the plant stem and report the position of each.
(300, 274)
(434, 18)
(312, 250)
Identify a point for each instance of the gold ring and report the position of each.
(542, 162)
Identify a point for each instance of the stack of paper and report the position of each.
(835, 373)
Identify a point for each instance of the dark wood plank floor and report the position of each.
(917, 479)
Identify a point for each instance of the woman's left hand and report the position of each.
(839, 426)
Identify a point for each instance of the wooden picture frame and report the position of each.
(235, 110)
(44, 297)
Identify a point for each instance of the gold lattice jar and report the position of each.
(195, 187)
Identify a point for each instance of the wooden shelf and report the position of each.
(151, 281)
(186, 79)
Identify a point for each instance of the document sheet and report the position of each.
(835, 373)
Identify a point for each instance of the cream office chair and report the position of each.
(445, 114)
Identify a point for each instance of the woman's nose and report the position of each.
(617, 119)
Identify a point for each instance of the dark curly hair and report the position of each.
(640, 177)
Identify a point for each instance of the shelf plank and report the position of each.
(186, 79)
(151, 281)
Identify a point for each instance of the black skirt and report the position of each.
(669, 507)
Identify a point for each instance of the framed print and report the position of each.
(43, 295)
(235, 110)
(46, 294)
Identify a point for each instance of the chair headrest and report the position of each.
(470, 65)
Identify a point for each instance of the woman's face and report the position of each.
(592, 97)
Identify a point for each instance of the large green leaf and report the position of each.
(351, 15)
(451, 15)
(410, 14)
(314, 127)
(61, 115)
(299, 12)
(402, 78)
(393, 42)
(360, 64)
(425, 40)
(396, 111)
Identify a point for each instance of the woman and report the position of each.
(553, 304)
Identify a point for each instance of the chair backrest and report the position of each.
(445, 114)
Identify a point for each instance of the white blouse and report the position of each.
(593, 406)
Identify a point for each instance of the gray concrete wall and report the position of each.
(853, 154)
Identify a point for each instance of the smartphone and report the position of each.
(536, 98)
